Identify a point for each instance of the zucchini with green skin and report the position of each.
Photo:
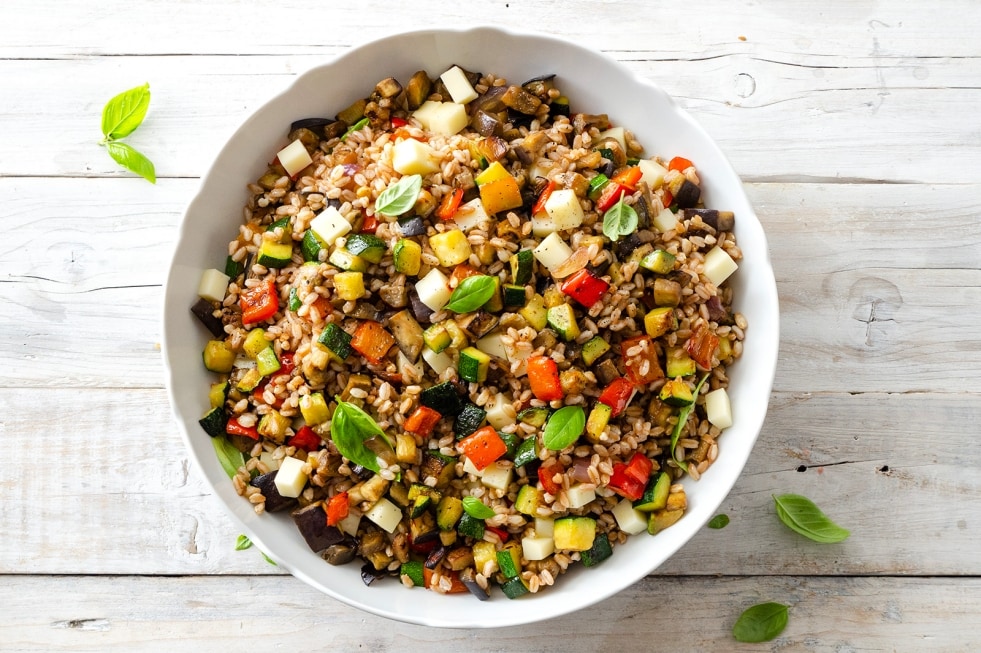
(214, 421)
(655, 495)
(249, 381)
(310, 246)
(562, 319)
(336, 340)
(443, 398)
(593, 349)
(448, 513)
(470, 419)
(218, 394)
(574, 533)
(473, 365)
(275, 255)
(522, 265)
(218, 357)
(436, 337)
(600, 551)
(658, 261)
(470, 526)
(526, 452)
(676, 392)
(534, 416)
(369, 247)
(514, 588)
(513, 296)
(678, 363)
(346, 261)
(509, 559)
(407, 257)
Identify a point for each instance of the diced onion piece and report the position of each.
(458, 85)
(497, 475)
(294, 157)
(537, 548)
(386, 514)
(434, 289)
(470, 468)
(576, 262)
(552, 251)
(439, 362)
(652, 173)
(718, 409)
(665, 221)
(564, 208)
(493, 344)
(329, 225)
(412, 157)
(718, 265)
(579, 496)
(629, 520)
(290, 479)
(213, 285)
(350, 523)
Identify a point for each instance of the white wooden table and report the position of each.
(855, 125)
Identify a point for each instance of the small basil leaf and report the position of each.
(564, 427)
(472, 293)
(680, 426)
(268, 559)
(619, 220)
(400, 196)
(799, 514)
(358, 126)
(128, 157)
(477, 508)
(349, 429)
(229, 457)
(760, 623)
(243, 543)
(124, 113)
(719, 521)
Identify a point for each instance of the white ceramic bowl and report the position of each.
(595, 84)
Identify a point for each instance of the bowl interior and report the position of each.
(595, 84)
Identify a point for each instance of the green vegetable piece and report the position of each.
(680, 426)
(229, 457)
(514, 588)
(600, 551)
(719, 522)
(369, 247)
(294, 303)
(266, 362)
(400, 196)
(470, 526)
(268, 559)
(358, 126)
(619, 220)
(310, 246)
(131, 159)
(526, 452)
(413, 569)
(477, 508)
(125, 112)
(510, 568)
(233, 268)
(214, 421)
(349, 429)
(472, 293)
(564, 427)
(522, 264)
(800, 514)
(760, 623)
(243, 543)
(596, 186)
(337, 340)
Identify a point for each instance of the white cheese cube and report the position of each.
(537, 548)
(500, 412)
(493, 344)
(470, 468)
(718, 409)
(552, 251)
(458, 85)
(425, 112)
(542, 225)
(564, 209)
(544, 526)
(629, 520)
(520, 355)
(470, 215)
(448, 119)
(652, 173)
(412, 157)
(579, 496)
(290, 479)
(665, 221)
(350, 523)
(718, 265)
(439, 362)
(294, 157)
(434, 289)
(386, 514)
(329, 225)
(497, 475)
(213, 285)
(617, 133)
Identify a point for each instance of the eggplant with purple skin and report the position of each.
(275, 502)
(718, 220)
(204, 311)
(312, 523)
(420, 311)
(469, 578)
(369, 574)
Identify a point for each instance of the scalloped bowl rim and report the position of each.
(596, 83)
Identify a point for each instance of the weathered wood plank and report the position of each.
(827, 615)
(879, 285)
(901, 471)
(873, 118)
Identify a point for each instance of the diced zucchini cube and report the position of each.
(313, 407)
(574, 533)
(349, 285)
(473, 365)
(451, 247)
(407, 257)
(659, 321)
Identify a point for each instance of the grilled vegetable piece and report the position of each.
(408, 334)
(312, 524)
(470, 419)
(204, 311)
(439, 467)
(275, 502)
(600, 551)
(442, 398)
(214, 421)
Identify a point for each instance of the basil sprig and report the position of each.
(477, 508)
(229, 457)
(242, 543)
(472, 293)
(719, 521)
(564, 427)
(680, 426)
(760, 623)
(400, 196)
(619, 220)
(800, 514)
(349, 429)
(120, 118)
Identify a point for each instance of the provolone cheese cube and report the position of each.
(294, 157)
(629, 520)
(213, 285)
(718, 409)
(458, 85)
(329, 225)
(386, 514)
(434, 289)
(552, 251)
(537, 548)
(290, 479)
(563, 207)
(412, 157)
(718, 265)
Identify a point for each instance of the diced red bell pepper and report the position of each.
(286, 365)
(543, 376)
(639, 468)
(234, 428)
(680, 164)
(451, 202)
(422, 421)
(667, 198)
(585, 287)
(483, 447)
(617, 395)
(369, 225)
(399, 122)
(611, 194)
(546, 474)
(305, 439)
(540, 202)
(701, 346)
(423, 547)
(456, 585)
(628, 177)
(502, 534)
(642, 367)
(372, 341)
(624, 484)
(259, 303)
(461, 272)
(337, 509)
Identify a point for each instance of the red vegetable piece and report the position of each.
(546, 193)
(259, 303)
(701, 346)
(337, 509)
(234, 428)
(422, 421)
(611, 194)
(643, 367)
(543, 376)
(372, 341)
(306, 439)
(625, 485)
(451, 202)
(546, 474)
(628, 177)
(483, 447)
(680, 164)
(585, 287)
(617, 395)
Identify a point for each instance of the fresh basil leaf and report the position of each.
(243, 543)
(268, 559)
(477, 508)
(760, 623)
(229, 457)
(472, 293)
(349, 429)
(294, 303)
(124, 113)
(400, 196)
(358, 126)
(799, 514)
(680, 426)
(128, 157)
(619, 220)
(564, 427)
(719, 521)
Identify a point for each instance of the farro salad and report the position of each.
(470, 336)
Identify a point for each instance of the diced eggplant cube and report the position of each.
(312, 523)
(275, 502)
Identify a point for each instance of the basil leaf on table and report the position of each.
(682, 420)
(619, 220)
(125, 112)
(472, 293)
(131, 159)
(760, 623)
(719, 521)
(229, 457)
(349, 429)
(400, 196)
(477, 508)
(564, 427)
(800, 514)
(242, 543)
